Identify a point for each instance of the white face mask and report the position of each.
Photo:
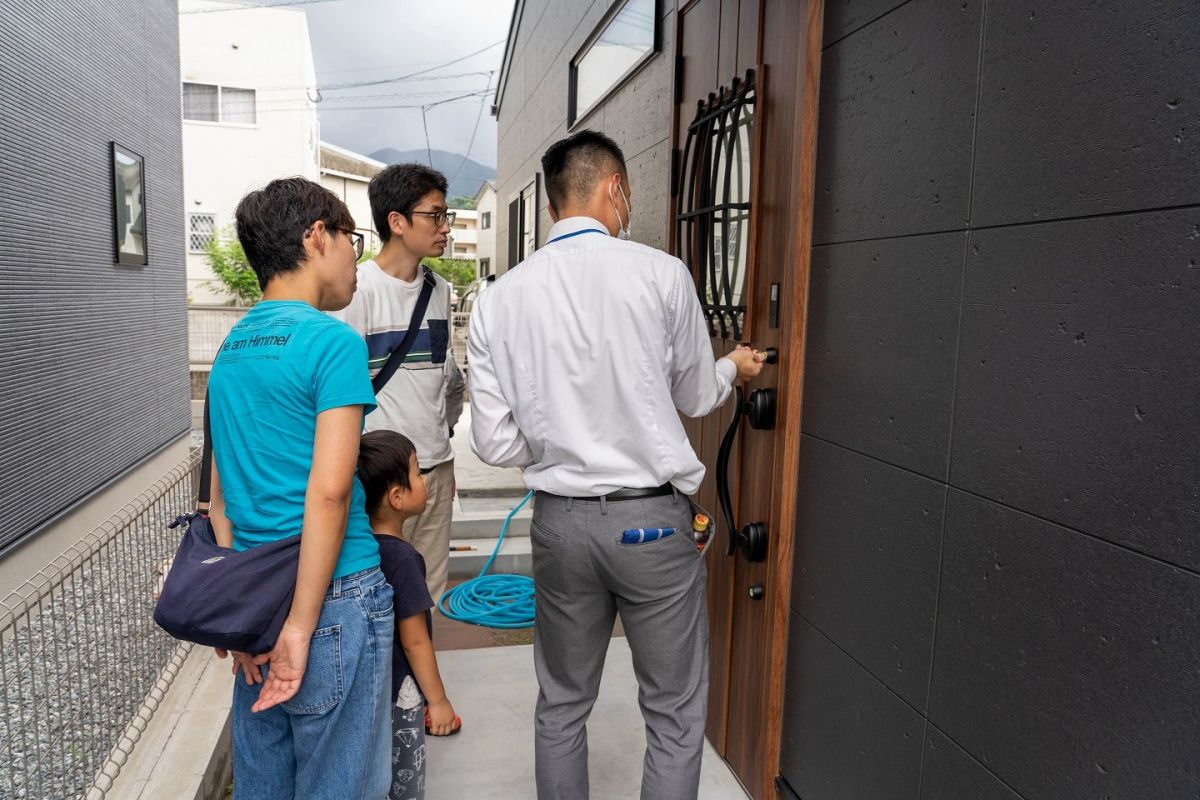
(626, 228)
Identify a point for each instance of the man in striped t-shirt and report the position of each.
(424, 398)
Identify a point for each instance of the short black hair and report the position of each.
(399, 188)
(271, 223)
(383, 462)
(571, 167)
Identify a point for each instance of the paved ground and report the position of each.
(492, 758)
(476, 479)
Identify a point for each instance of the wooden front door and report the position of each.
(741, 218)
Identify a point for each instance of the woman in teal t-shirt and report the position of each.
(287, 396)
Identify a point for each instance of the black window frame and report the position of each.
(574, 115)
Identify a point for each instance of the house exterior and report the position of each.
(249, 115)
(348, 174)
(464, 234)
(969, 230)
(485, 247)
(93, 371)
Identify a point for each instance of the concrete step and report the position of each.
(482, 517)
(515, 557)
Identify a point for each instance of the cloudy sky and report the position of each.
(360, 42)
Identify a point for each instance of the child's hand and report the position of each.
(441, 718)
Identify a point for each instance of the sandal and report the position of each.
(455, 729)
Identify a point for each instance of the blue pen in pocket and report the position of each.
(644, 535)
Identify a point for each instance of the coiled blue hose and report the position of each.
(494, 601)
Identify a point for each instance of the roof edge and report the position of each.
(506, 62)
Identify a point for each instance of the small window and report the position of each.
(201, 226)
(203, 102)
(485, 267)
(522, 224)
(624, 40)
(485, 220)
(200, 102)
(237, 106)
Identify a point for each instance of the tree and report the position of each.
(458, 272)
(233, 273)
(460, 202)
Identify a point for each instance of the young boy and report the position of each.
(396, 491)
(287, 396)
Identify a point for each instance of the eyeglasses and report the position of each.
(439, 217)
(358, 239)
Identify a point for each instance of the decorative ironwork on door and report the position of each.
(712, 221)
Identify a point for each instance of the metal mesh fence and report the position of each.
(82, 664)
(460, 320)
(207, 328)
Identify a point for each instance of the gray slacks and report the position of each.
(584, 577)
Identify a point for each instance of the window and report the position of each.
(237, 106)
(485, 267)
(201, 226)
(626, 39)
(522, 224)
(713, 204)
(485, 220)
(203, 102)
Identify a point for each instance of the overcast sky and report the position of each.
(356, 41)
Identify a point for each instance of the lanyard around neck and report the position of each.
(575, 233)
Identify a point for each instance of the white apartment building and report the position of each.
(249, 115)
(464, 234)
(485, 246)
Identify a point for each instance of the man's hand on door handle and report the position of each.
(749, 362)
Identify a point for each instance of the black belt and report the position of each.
(622, 494)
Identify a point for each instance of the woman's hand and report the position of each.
(245, 662)
(287, 663)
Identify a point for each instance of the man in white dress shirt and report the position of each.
(581, 358)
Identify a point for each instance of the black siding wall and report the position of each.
(93, 356)
(997, 581)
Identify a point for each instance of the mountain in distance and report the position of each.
(469, 177)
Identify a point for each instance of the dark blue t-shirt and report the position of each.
(404, 569)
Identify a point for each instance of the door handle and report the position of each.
(759, 410)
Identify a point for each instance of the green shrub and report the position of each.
(233, 273)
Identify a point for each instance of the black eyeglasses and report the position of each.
(439, 217)
(358, 239)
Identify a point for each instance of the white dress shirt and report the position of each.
(581, 358)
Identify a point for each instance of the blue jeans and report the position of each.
(333, 739)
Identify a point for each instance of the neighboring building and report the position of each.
(485, 247)
(347, 174)
(94, 362)
(464, 234)
(249, 115)
(970, 231)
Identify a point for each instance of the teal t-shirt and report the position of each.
(282, 364)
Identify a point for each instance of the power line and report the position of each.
(475, 130)
(411, 75)
(424, 124)
(254, 6)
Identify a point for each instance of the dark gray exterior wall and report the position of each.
(93, 367)
(533, 114)
(997, 577)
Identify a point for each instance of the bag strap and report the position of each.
(205, 490)
(414, 326)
